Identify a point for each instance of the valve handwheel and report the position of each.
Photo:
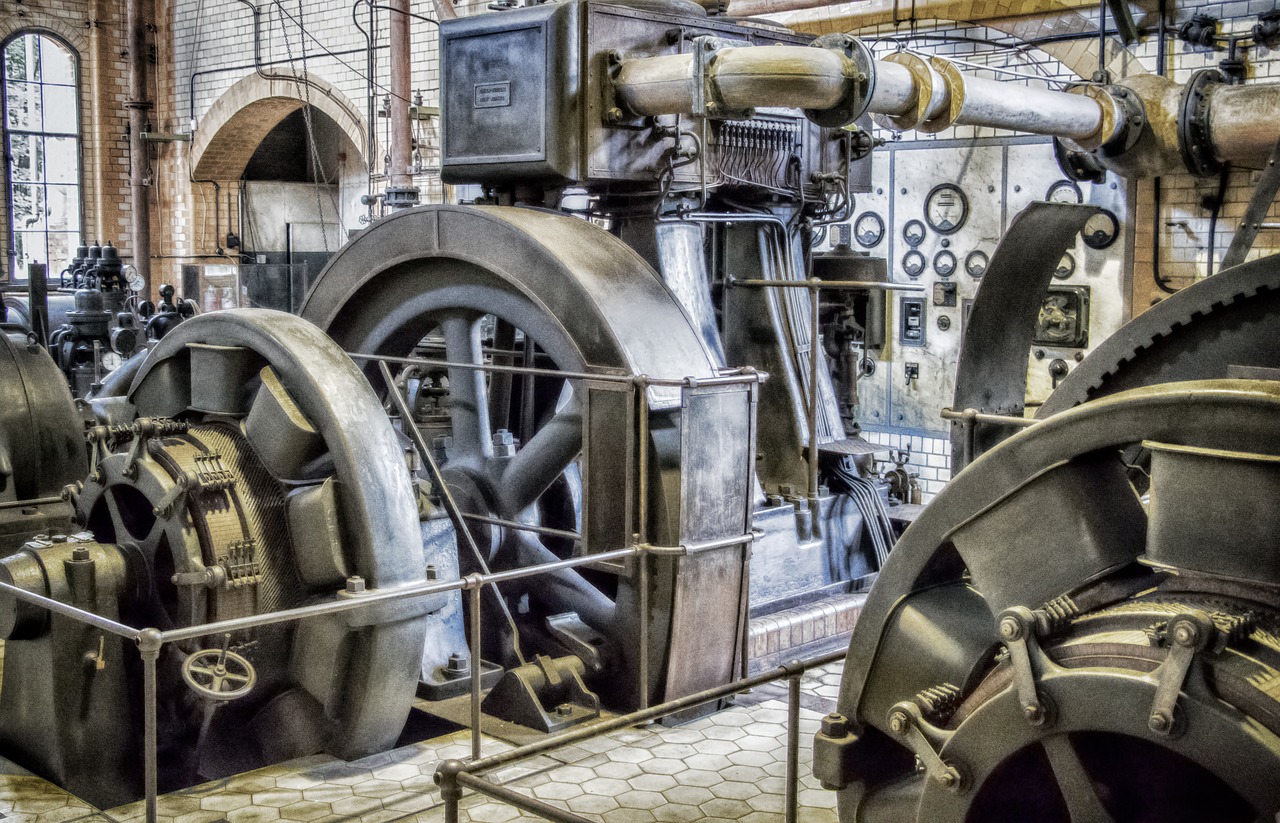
(219, 674)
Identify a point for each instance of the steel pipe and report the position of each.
(909, 91)
(1244, 123)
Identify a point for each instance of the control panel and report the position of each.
(936, 212)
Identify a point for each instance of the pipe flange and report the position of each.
(1115, 117)
(923, 76)
(1130, 119)
(1080, 166)
(859, 89)
(1193, 123)
(955, 84)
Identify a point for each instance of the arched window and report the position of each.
(42, 150)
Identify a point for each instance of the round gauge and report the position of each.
(868, 229)
(946, 208)
(913, 233)
(1066, 267)
(132, 279)
(1100, 230)
(944, 263)
(1064, 191)
(975, 263)
(111, 361)
(913, 263)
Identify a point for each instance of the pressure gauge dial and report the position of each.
(913, 263)
(1100, 230)
(944, 263)
(975, 263)
(868, 229)
(913, 233)
(132, 279)
(1064, 191)
(946, 208)
(1066, 267)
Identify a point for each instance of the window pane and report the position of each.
(23, 101)
(20, 59)
(63, 207)
(28, 207)
(55, 63)
(62, 247)
(28, 157)
(60, 161)
(60, 109)
(28, 247)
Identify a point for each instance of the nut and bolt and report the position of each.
(1034, 714)
(458, 664)
(1010, 629)
(504, 443)
(898, 721)
(80, 554)
(564, 710)
(1186, 633)
(835, 725)
(355, 585)
(1159, 722)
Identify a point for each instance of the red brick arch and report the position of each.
(227, 135)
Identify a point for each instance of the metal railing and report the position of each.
(455, 775)
(151, 641)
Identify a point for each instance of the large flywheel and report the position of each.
(524, 287)
(1046, 644)
(248, 469)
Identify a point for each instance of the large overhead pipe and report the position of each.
(401, 193)
(138, 105)
(1138, 128)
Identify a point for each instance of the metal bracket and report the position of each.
(906, 722)
(1264, 194)
(1017, 630)
(1189, 634)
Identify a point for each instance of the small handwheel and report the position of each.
(218, 674)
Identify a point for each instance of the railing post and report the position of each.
(446, 778)
(642, 581)
(474, 594)
(149, 644)
(793, 744)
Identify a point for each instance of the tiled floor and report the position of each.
(726, 767)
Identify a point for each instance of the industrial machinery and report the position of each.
(581, 353)
(249, 469)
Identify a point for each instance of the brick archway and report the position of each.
(230, 131)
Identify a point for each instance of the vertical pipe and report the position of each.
(475, 669)
(149, 648)
(642, 532)
(793, 748)
(813, 397)
(401, 193)
(137, 106)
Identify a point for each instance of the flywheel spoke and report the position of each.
(468, 395)
(544, 458)
(563, 590)
(1077, 789)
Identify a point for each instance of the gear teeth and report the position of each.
(938, 703)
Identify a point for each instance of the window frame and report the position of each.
(9, 258)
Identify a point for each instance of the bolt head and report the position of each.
(1010, 629)
(1033, 714)
(947, 779)
(898, 721)
(564, 710)
(835, 725)
(1159, 722)
(355, 585)
(1186, 633)
(80, 554)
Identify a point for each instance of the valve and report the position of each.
(219, 674)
